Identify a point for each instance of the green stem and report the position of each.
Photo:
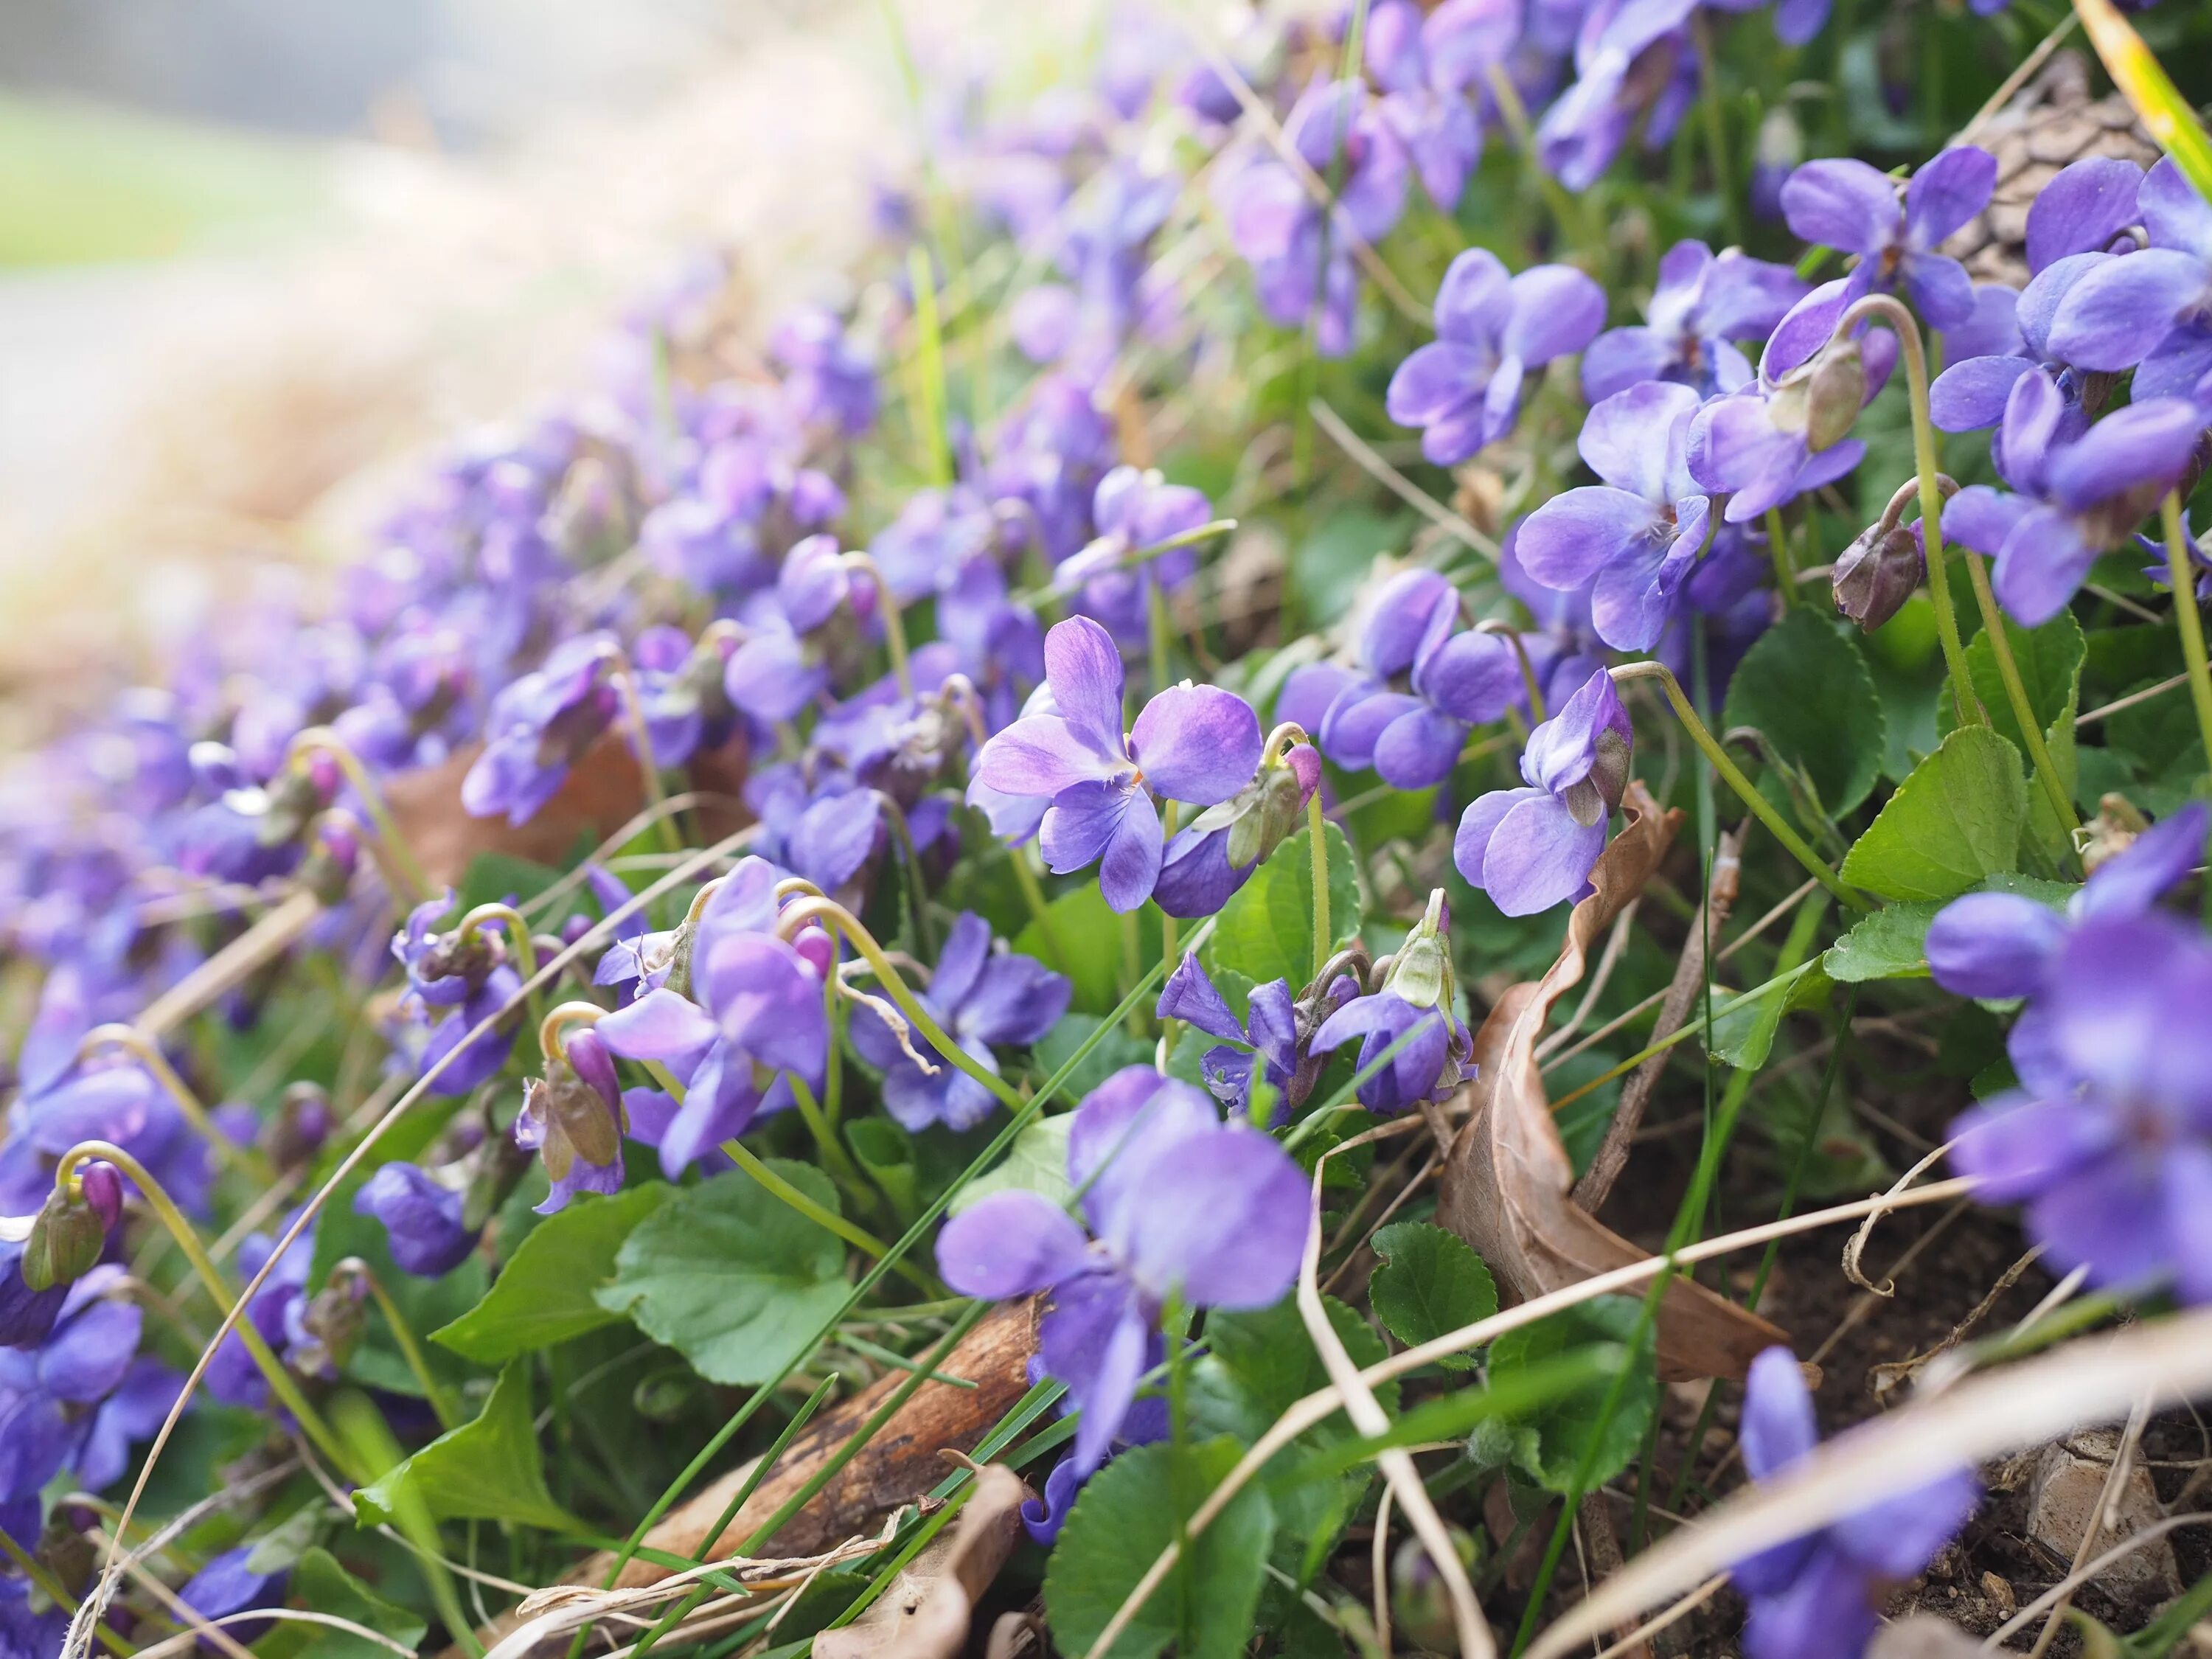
(2187, 617)
(1167, 813)
(148, 1053)
(441, 1402)
(859, 1237)
(1777, 548)
(1323, 929)
(517, 940)
(831, 915)
(1040, 912)
(1893, 314)
(323, 739)
(1730, 772)
(2023, 712)
(894, 624)
(841, 1167)
(280, 1382)
(1133, 965)
(376, 1451)
(931, 415)
(1157, 632)
(1716, 123)
(1172, 1322)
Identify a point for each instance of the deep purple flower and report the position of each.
(2070, 225)
(1176, 1203)
(80, 1398)
(1818, 1596)
(2108, 1140)
(422, 1219)
(753, 999)
(1417, 1006)
(1421, 686)
(2151, 310)
(1849, 205)
(26, 1314)
(1302, 261)
(2081, 493)
(1215, 853)
(231, 1583)
(1702, 304)
(1786, 433)
(1266, 1042)
(1191, 743)
(1464, 387)
(1425, 65)
(277, 1310)
(826, 832)
(116, 1101)
(1636, 537)
(980, 999)
(1133, 510)
(1532, 847)
(471, 981)
(1633, 63)
(539, 727)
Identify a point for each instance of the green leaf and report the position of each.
(1806, 688)
(1266, 930)
(731, 1276)
(1550, 1442)
(1088, 932)
(2050, 661)
(325, 1586)
(1123, 1520)
(502, 877)
(1116, 1049)
(547, 1293)
(1036, 1162)
(1890, 943)
(885, 1151)
(1269, 1354)
(487, 1469)
(1954, 822)
(1430, 1283)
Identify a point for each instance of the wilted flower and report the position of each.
(1464, 387)
(1530, 848)
(572, 1119)
(1178, 1203)
(2081, 494)
(1191, 743)
(1818, 1596)
(1847, 204)
(1881, 568)
(980, 998)
(1634, 539)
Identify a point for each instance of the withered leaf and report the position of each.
(926, 1613)
(1506, 1185)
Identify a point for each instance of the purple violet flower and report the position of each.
(2151, 310)
(422, 1219)
(1421, 685)
(1216, 853)
(980, 998)
(1818, 1597)
(1633, 64)
(2081, 493)
(572, 1119)
(758, 1002)
(1702, 304)
(1195, 743)
(230, 1583)
(1531, 848)
(778, 667)
(276, 1310)
(1848, 204)
(1133, 510)
(1464, 387)
(1266, 1042)
(2108, 1140)
(1425, 65)
(829, 379)
(1177, 1202)
(539, 727)
(80, 1398)
(1417, 1005)
(1634, 539)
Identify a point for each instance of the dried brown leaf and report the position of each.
(926, 1613)
(1506, 1186)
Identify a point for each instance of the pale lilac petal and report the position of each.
(1435, 380)
(1556, 310)
(2041, 566)
(1538, 856)
(1947, 192)
(1971, 394)
(2173, 214)
(1010, 1244)
(1477, 825)
(2108, 1031)
(1843, 203)
(1992, 332)
(1419, 750)
(1044, 754)
(1082, 823)
(2080, 211)
(1016, 999)
(1993, 945)
(1940, 289)
(1103, 1374)
(1131, 865)
(2112, 317)
(1981, 517)
(1083, 666)
(1355, 724)
(2015, 1147)
(1197, 744)
(2149, 443)
(660, 1026)
(1566, 542)
(768, 1002)
(1471, 677)
(1472, 297)
(1621, 440)
(1778, 1426)
(1412, 605)
(1621, 358)
(1225, 1220)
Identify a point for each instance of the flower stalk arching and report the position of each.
(399, 856)
(1891, 312)
(1778, 549)
(441, 1399)
(835, 917)
(282, 1384)
(910, 856)
(518, 939)
(1529, 683)
(2187, 619)
(1288, 736)
(894, 625)
(148, 1053)
(1732, 775)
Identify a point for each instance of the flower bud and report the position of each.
(67, 1238)
(575, 1110)
(1419, 1601)
(304, 1121)
(334, 1322)
(1835, 395)
(1878, 573)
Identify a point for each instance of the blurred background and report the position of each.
(256, 256)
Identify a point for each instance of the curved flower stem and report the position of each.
(1158, 631)
(1777, 548)
(894, 625)
(517, 940)
(1316, 832)
(1717, 149)
(1892, 313)
(280, 1382)
(1512, 635)
(553, 1027)
(1761, 808)
(833, 916)
(2023, 712)
(915, 915)
(1168, 811)
(148, 1053)
(323, 740)
(441, 1400)
(1136, 557)
(2186, 618)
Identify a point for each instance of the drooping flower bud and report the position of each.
(70, 1233)
(572, 1118)
(1419, 1598)
(304, 1121)
(1835, 395)
(331, 1327)
(1878, 573)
